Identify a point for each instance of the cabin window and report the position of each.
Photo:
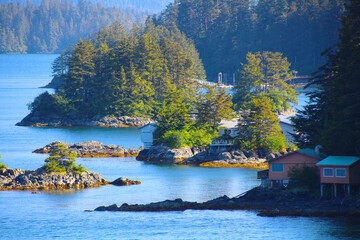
(340, 172)
(277, 167)
(328, 172)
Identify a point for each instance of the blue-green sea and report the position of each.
(61, 215)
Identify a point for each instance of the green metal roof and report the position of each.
(311, 152)
(339, 160)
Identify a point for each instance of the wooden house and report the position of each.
(279, 167)
(340, 173)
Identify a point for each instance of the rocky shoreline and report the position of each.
(36, 120)
(34, 180)
(207, 157)
(267, 202)
(163, 154)
(92, 149)
(19, 179)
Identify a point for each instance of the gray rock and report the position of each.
(93, 149)
(164, 154)
(36, 120)
(224, 156)
(124, 182)
(18, 179)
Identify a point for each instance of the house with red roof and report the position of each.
(340, 173)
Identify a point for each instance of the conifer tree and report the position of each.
(332, 118)
(266, 74)
(259, 128)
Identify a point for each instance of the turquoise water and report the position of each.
(52, 215)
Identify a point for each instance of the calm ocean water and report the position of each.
(51, 215)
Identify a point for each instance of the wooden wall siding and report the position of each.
(355, 173)
(334, 179)
(293, 160)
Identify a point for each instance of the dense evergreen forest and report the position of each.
(332, 118)
(123, 73)
(224, 31)
(54, 24)
(144, 5)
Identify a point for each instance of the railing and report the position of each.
(222, 142)
(202, 82)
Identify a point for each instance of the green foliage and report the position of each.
(332, 118)
(304, 177)
(225, 30)
(175, 139)
(213, 106)
(48, 104)
(51, 26)
(191, 138)
(2, 166)
(274, 143)
(143, 73)
(201, 137)
(265, 75)
(61, 160)
(259, 128)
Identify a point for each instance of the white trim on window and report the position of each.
(329, 172)
(341, 170)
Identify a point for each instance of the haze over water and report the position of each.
(50, 215)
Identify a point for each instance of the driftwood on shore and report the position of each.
(267, 202)
(92, 149)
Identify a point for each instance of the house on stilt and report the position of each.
(339, 174)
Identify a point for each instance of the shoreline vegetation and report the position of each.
(267, 202)
(58, 173)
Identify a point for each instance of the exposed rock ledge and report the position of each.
(93, 149)
(19, 179)
(163, 154)
(35, 120)
(267, 201)
(210, 157)
(221, 157)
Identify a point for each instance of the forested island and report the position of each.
(151, 72)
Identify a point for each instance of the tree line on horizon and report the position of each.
(143, 5)
(53, 25)
(224, 31)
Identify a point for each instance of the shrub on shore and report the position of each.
(2, 166)
(61, 160)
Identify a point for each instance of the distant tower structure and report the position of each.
(220, 78)
(233, 78)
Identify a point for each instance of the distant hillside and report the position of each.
(143, 5)
(224, 31)
(53, 25)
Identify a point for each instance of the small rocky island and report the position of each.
(58, 173)
(34, 119)
(34, 180)
(268, 202)
(92, 149)
(207, 157)
(19, 179)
